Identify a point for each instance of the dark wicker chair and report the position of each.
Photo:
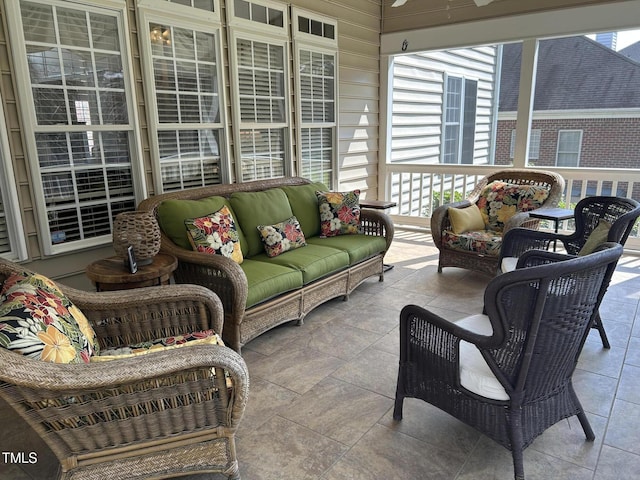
(157, 415)
(538, 318)
(479, 261)
(620, 213)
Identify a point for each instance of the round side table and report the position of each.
(112, 274)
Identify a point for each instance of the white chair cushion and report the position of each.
(508, 264)
(475, 374)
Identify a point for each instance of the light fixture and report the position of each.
(482, 3)
(398, 3)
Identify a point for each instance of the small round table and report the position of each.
(112, 273)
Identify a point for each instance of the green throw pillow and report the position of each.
(596, 238)
(252, 209)
(304, 203)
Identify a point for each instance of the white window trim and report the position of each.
(16, 36)
(305, 41)
(162, 11)
(445, 93)
(240, 28)
(512, 146)
(10, 200)
(579, 152)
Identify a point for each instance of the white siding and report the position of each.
(418, 88)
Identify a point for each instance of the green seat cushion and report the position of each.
(304, 204)
(172, 214)
(314, 261)
(359, 247)
(267, 280)
(259, 208)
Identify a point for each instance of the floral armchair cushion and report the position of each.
(482, 242)
(39, 321)
(204, 337)
(499, 201)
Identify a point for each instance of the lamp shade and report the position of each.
(139, 230)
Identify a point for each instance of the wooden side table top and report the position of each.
(113, 271)
(377, 204)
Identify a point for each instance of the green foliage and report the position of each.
(457, 196)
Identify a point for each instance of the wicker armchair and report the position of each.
(620, 213)
(161, 414)
(508, 373)
(479, 250)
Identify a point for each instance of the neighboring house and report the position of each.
(443, 104)
(632, 51)
(586, 109)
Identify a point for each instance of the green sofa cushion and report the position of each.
(304, 204)
(314, 261)
(172, 214)
(267, 280)
(259, 208)
(359, 247)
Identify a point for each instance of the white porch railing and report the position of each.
(418, 189)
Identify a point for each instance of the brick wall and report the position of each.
(606, 143)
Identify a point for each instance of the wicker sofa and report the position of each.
(262, 292)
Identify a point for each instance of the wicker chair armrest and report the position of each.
(532, 258)
(377, 223)
(440, 324)
(77, 378)
(518, 240)
(440, 219)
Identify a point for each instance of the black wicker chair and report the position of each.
(620, 213)
(537, 321)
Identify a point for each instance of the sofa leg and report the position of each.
(300, 322)
(345, 298)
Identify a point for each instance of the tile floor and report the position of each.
(321, 397)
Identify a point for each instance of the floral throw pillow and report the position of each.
(282, 236)
(204, 337)
(39, 321)
(215, 234)
(339, 213)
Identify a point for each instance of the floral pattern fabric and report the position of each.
(339, 213)
(499, 201)
(204, 337)
(282, 237)
(484, 242)
(215, 234)
(39, 321)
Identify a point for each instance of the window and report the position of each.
(569, 145)
(79, 123)
(183, 72)
(12, 244)
(316, 52)
(459, 121)
(534, 144)
(260, 86)
(208, 5)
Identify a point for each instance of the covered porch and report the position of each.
(322, 393)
